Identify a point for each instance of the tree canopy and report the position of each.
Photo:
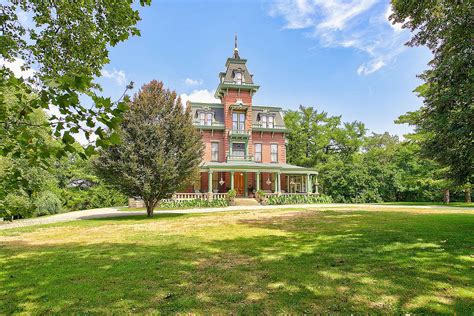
(160, 149)
(65, 44)
(445, 123)
(356, 167)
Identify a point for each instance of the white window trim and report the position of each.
(271, 153)
(208, 120)
(218, 150)
(239, 122)
(255, 151)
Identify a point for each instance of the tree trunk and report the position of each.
(149, 210)
(467, 195)
(150, 206)
(446, 196)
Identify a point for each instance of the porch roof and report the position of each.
(252, 166)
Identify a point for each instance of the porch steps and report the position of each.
(246, 201)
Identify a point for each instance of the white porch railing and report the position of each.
(197, 196)
(219, 196)
(189, 196)
(268, 194)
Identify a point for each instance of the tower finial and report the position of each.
(236, 49)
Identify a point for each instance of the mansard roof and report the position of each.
(216, 108)
(276, 112)
(257, 111)
(228, 79)
(233, 65)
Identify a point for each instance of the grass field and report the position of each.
(452, 204)
(278, 261)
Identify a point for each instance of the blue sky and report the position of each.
(342, 57)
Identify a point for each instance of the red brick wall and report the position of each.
(207, 138)
(231, 98)
(204, 176)
(215, 175)
(267, 138)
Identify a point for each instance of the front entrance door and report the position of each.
(239, 184)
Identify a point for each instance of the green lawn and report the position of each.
(452, 204)
(276, 261)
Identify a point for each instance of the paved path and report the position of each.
(114, 212)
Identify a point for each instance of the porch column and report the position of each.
(257, 175)
(309, 186)
(232, 180)
(316, 184)
(209, 185)
(275, 183)
(278, 184)
(246, 184)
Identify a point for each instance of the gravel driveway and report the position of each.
(114, 212)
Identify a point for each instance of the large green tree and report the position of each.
(315, 136)
(355, 167)
(66, 43)
(160, 149)
(445, 122)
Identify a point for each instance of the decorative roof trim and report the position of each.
(229, 85)
(202, 105)
(235, 61)
(257, 166)
(266, 107)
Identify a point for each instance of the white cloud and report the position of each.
(204, 96)
(358, 24)
(193, 82)
(370, 67)
(397, 27)
(297, 13)
(337, 14)
(117, 75)
(16, 67)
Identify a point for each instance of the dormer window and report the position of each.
(205, 118)
(238, 77)
(270, 122)
(267, 121)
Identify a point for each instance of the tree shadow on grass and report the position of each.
(369, 261)
(319, 262)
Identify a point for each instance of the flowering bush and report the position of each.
(194, 203)
(298, 199)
